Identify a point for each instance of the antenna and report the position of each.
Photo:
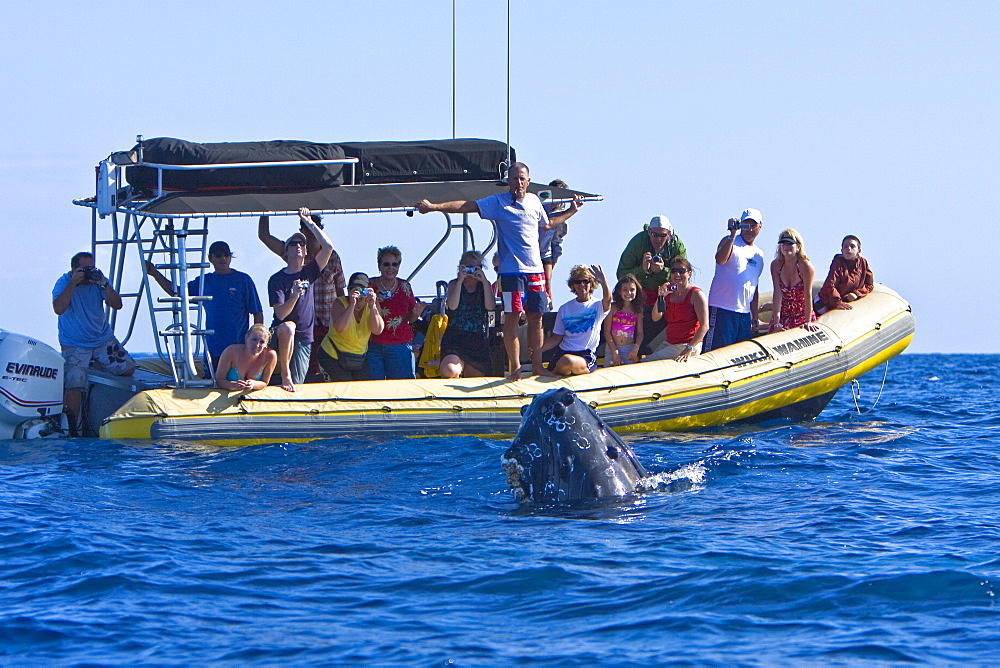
(453, 78)
(508, 85)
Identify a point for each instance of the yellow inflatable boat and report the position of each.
(790, 374)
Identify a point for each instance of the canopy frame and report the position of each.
(173, 228)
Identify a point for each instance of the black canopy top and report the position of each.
(379, 198)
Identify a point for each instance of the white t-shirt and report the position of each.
(517, 230)
(735, 282)
(580, 324)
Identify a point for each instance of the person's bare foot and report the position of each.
(287, 384)
(515, 374)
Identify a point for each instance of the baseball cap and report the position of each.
(752, 214)
(661, 222)
(359, 280)
(787, 238)
(295, 237)
(219, 249)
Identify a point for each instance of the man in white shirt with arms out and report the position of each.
(519, 217)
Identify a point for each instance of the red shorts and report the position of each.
(524, 292)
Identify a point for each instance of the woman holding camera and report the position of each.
(465, 344)
(685, 309)
(390, 354)
(356, 317)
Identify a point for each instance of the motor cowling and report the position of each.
(31, 383)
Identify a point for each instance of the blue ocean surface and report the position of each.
(866, 536)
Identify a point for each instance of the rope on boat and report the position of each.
(856, 391)
(524, 395)
(518, 396)
(606, 388)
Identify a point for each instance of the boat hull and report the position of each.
(791, 374)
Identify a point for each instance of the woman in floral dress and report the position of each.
(792, 275)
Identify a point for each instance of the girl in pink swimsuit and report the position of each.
(792, 275)
(623, 326)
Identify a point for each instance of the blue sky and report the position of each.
(870, 118)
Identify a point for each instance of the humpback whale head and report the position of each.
(564, 452)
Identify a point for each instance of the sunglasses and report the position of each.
(678, 270)
(660, 235)
(581, 281)
(297, 242)
(390, 264)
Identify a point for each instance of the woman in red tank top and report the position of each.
(686, 309)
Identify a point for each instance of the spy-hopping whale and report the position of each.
(564, 452)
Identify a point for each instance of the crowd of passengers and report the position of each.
(326, 327)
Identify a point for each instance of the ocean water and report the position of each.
(861, 538)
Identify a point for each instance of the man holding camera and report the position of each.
(78, 299)
(647, 256)
(330, 284)
(290, 294)
(732, 300)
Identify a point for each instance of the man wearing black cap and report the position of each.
(325, 289)
(290, 293)
(234, 298)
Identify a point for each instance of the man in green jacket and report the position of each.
(646, 257)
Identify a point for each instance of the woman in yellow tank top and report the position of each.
(355, 318)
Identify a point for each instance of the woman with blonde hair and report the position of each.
(245, 367)
(792, 276)
(578, 324)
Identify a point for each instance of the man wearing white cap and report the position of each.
(646, 257)
(732, 300)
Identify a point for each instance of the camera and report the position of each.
(734, 224)
(470, 270)
(367, 292)
(303, 285)
(656, 258)
(92, 274)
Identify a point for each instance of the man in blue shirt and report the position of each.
(234, 298)
(519, 219)
(78, 298)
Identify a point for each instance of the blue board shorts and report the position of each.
(726, 328)
(588, 355)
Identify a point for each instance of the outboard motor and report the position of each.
(31, 388)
